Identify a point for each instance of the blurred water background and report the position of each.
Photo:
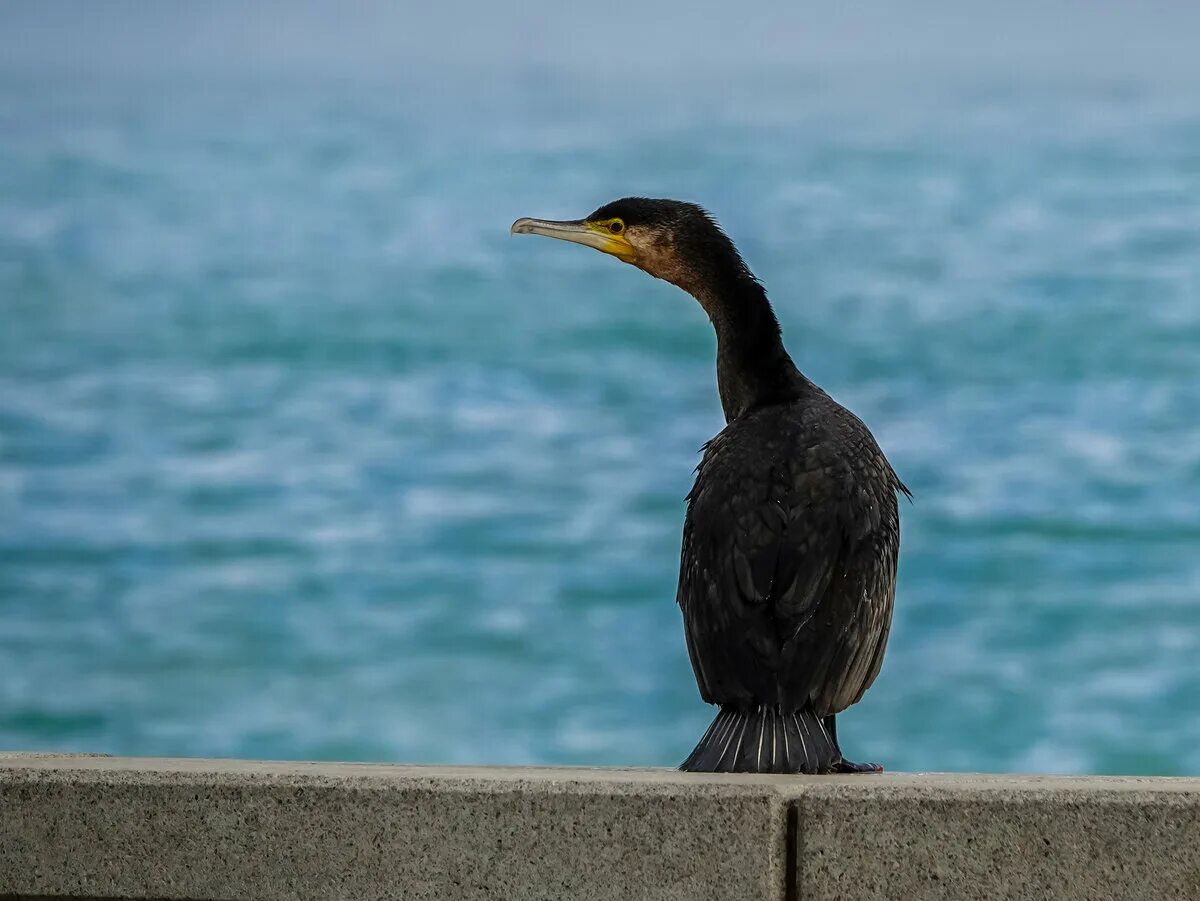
(302, 457)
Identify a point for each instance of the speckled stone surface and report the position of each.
(238, 830)
(220, 830)
(980, 837)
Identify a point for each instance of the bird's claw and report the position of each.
(845, 766)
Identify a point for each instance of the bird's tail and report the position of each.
(764, 739)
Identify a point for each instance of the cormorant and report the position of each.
(788, 567)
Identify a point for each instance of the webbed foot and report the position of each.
(845, 766)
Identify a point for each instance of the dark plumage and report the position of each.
(788, 567)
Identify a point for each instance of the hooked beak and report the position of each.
(579, 231)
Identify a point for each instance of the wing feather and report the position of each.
(788, 564)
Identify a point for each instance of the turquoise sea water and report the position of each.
(301, 456)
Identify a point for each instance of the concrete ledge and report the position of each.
(97, 827)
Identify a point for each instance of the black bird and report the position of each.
(788, 569)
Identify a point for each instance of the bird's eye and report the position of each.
(616, 226)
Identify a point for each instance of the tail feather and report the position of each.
(764, 739)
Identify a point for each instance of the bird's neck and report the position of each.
(753, 367)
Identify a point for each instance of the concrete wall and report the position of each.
(99, 827)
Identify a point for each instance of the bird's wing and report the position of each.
(780, 574)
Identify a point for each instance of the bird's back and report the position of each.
(789, 558)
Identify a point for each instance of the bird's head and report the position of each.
(670, 239)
